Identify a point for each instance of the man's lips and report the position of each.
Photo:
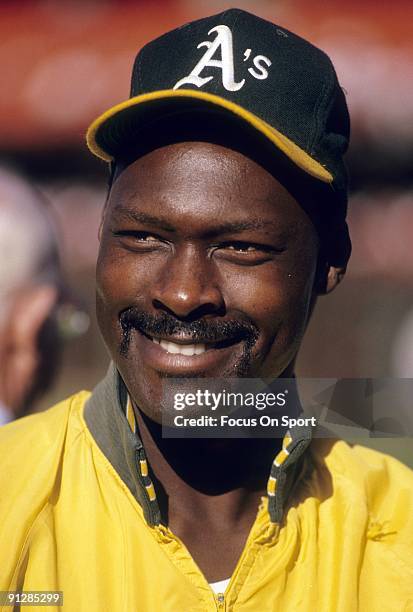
(181, 349)
(180, 357)
(187, 346)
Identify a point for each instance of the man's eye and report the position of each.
(139, 236)
(146, 238)
(139, 241)
(241, 248)
(244, 253)
(246, 248)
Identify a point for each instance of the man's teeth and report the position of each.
(181, 349)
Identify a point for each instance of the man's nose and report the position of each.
(188, 286)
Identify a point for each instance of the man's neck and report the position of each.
(208, 492)
(207, 477)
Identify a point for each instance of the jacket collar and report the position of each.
(105, 416)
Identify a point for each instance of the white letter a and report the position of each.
(226, 63)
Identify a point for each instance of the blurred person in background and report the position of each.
(30, 289)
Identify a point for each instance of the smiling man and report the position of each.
(224, 222)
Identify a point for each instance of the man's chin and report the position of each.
(153, 391)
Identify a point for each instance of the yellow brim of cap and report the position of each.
(95, 136)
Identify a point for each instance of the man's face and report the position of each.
(206, 269)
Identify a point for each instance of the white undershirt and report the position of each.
(220, 586)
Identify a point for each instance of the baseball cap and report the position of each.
(258, 74)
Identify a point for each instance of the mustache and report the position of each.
(202, 330)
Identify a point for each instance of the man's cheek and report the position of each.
(107, 278)
(116, 286)
(106, 322)
(283, 318)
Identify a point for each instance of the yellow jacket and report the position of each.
(73, 519)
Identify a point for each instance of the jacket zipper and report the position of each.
(220, 601)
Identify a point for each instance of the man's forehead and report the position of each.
(187, 152)
(195, 166)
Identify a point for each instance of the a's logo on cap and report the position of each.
(223, 41)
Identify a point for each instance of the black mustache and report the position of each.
(207, 331)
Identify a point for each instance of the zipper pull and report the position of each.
(221, 601)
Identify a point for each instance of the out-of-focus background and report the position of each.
(65, 62)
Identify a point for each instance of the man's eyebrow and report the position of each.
(214, 230)
(240, 226)
(144, 218)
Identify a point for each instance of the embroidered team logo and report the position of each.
(224, 61)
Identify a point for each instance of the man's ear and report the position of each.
(334, 277)
(328, 277)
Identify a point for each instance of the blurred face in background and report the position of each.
(29, 347)
(207, 268)
(29, 280)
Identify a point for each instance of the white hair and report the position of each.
(28, 244)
